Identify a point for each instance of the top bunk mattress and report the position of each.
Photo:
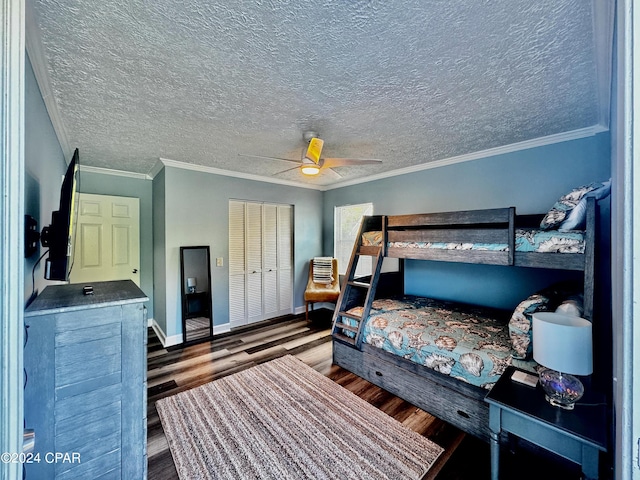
(538, 241)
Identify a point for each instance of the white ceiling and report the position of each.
(408, 82)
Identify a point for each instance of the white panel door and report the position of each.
(107, 239)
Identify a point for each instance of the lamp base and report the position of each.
(561, 390)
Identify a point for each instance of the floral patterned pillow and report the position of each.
(545, 300)
(520, 324)
(563, 207)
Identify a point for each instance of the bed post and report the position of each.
(385, 235)
(589, 257)
(512, 235)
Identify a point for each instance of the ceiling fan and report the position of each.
(311, 162)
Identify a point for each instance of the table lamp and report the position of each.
(563, 345)
(191, 284)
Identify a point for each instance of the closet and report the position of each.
(260, 261)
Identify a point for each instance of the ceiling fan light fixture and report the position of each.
(310, 169)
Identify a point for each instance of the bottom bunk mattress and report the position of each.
(468, 343)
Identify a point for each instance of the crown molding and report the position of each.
(35, 51)
(118, 173)
(166, 162)
(514, 147)
(156, 169)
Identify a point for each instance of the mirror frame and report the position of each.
(206, 296)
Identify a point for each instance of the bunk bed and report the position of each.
(492, 237)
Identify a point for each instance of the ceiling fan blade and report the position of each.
(269, 158)
(333, 172)
(342, 162)
(287, 170)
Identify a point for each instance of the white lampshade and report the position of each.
(191, 282)
(563, 343)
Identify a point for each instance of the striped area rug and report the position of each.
(284, 420)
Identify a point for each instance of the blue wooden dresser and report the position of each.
(86, 393)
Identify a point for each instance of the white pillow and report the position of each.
(576, 218)
(573, 305)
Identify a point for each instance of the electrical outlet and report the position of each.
(219, 262)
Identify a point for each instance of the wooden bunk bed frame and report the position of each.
(454, 401)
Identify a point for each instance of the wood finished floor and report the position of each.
(177, 369)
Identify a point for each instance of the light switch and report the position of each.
(219, 262)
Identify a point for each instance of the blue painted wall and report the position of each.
(44, 168)
(196, 212)
(159, 257)
(531, 180)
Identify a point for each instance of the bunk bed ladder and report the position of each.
(347, 326)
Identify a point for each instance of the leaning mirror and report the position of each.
(195, 276)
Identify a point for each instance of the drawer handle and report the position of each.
(463, 414)
(379, 374)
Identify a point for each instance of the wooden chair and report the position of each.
(321, 292)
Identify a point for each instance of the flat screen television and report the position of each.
(59, 236)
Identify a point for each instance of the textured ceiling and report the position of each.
(406, 82)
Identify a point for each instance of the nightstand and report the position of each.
(578, 435)
(197, 305)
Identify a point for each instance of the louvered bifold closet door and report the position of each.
(285, 259)
(254, 262)
(237, 271)
(260, 261)
(270, 261)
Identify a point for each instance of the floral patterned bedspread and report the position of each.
(460, 341)
(541, 241)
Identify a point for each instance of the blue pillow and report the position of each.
(575, 220)
(567, 203)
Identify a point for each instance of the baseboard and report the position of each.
(177, 339)
(316, 306)
(217, 329)
(151, 322)
(173, 340)
(224, 328)
(164, 340)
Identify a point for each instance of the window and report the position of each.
(346, 225)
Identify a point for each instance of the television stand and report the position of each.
(86, 395)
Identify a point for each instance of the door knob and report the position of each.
(135, 270)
